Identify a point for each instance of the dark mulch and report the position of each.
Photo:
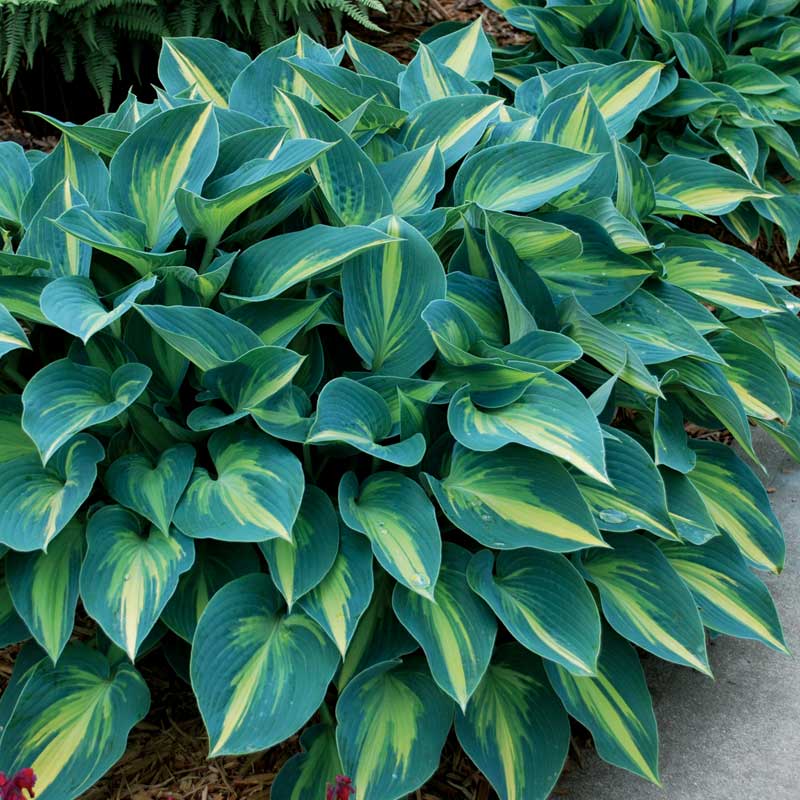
(12, 131)
(405, 22)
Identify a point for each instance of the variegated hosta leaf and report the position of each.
(492, 177)
(230, 196)
(254, 90)
(270, 267)
(215, 565)
(730, 597)
(455, 629)
(615, 706)
(717, 279)
(708, 384)
(466, 51)
(71, 721)
(130, 573)
(687, 509)
(245, 384)
(396, 515)
(379, 636)
(701, 186)
(13, 628)
(175, 149)
(16, 178)
(393, 722)
(551, 415)
(413, 179)
(12, 336)
(206, 67)
(73, 305)
(65, 398)
(515, 497)
(306, 775)
(343, 595)
(45, 240)
(105, 140)
(515, 729)
(297, 566)
(204, 336)
(656, 332)
(254, 495)
(44, 588)
(758, 381)
(37, 501)
(118, 235)
(645, 600)
(151, 490)
(544, 603)
(275, 673)
(348, 179)
(605, 347)
(428, 78)
(385, 291)
(351, 413)
(80, 176)
(455, 124)
(635, 497)
(738, 504)
(602, 277)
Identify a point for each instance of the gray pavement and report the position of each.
(736, 737)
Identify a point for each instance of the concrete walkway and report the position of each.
(736, 737)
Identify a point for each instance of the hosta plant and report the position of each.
(362, 393)
(728, 95)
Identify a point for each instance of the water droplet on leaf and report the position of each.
(613, 516)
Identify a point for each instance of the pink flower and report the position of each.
(23, 781)
(342, 790)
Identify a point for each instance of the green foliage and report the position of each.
(99, 38)
(371, 386)
(721, 115)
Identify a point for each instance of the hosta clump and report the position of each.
(363, 393)
(728, 95)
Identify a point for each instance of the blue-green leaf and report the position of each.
(455, 628)
(72, 303)
(275, 673)
(44, 588)
(37, 501)
(393, 722)
(298, 566)
(385, 292)
(130, 573)
(531, 593)
(175, 149)
(64, 398)
(515, 497)
(254, 495)
(351, 413)
(71, 721)
(269, 268)
(396, 515)
(343, 595)
(645, 600)
(615, 706)
(515, 729)
(151, 490)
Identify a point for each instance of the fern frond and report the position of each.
(106, 38)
